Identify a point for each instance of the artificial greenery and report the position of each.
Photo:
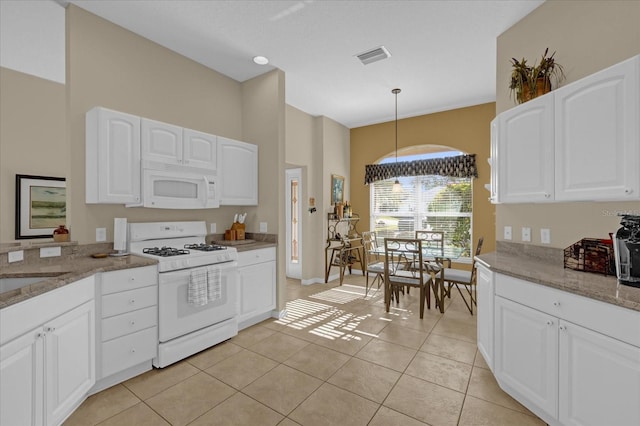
(529, 81)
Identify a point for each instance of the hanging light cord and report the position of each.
(395, 92)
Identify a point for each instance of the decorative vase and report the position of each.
(543, 85)
(61, 234)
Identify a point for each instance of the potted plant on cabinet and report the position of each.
(528, 82)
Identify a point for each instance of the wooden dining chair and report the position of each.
(457, 278)
(400, 257)
(374, 260)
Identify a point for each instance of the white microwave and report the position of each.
(179, 189)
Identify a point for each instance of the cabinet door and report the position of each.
(525, 152)
(485, 314)
(237, 172)
(112, 157)
(69, 360)
(161, 142)
(199, 149)
(526, 356)
(599, 379)
(493, 161)
(598, 136)
(257, 289)
(21, 371)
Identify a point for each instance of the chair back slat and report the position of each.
(432, 240)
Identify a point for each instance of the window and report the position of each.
(432, 202)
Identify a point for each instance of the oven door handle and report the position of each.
(205, 193)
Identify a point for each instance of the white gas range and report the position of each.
(187, 264)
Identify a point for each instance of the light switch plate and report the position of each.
(101, 235)
(263, 226)
(50, 251)
(545, 236)
(508, 233)
(212, 228)
(526, 234)
(16, 256)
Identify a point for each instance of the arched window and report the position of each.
(427, 202)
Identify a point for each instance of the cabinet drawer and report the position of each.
(129, 279)
(611, 320)
(124, 352)
(252, 257)
(127, 301)
(131, 322)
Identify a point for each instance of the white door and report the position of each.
(112, 157)
(199, 149)
(599, 379)
(525, 152)
(598, 135)
(526, 356)
(237, 172)
(21, 373)
(70, 360)
(161, 142)
(294, 222)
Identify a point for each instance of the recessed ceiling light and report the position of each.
(260, 60)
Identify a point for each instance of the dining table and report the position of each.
(434, 259)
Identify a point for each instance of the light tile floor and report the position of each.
(337, 359)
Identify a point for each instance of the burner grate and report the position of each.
(164, 251)
(204, 247)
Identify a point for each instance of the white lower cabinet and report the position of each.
(569, 359)
(48, 370)
(128, 328)
(484, 296)
(599, 380)
(526, 357)
(257, 285)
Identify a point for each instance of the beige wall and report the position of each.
(32, 136)
(587, 36)
(465, 129)
(320, 146)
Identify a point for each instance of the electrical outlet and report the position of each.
(50, 251)
(212, 228)
(16, 256)
(526, 234)
(508, 233)
(263, 226)
(545, 236)
(101, 235)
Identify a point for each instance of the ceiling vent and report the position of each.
(374, 55)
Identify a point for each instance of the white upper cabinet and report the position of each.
(597, 135)
(161, 142)
(580, 142)
(238, 172)
(169, 144)
(199, 149)
(112, 157)
(525, 152)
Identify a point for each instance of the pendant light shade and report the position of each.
(396, 185)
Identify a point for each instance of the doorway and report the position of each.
(294, 223)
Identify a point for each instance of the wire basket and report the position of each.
(591, 255)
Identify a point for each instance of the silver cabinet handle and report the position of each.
(133, 350)
(547, 195)
(563, 328)
(50, 329)
(132, 301)
(132, 323)
(628, 191)
(556, 304)
(549, 322)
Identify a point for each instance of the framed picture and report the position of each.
(337, 189)
(41, 205)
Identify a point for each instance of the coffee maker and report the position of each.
(626, 246)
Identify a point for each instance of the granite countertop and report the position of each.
(64, 271)
(552, 273)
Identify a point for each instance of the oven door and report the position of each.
(176, 317)
(165, 189)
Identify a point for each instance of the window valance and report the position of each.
(458, 166)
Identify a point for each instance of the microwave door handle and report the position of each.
(205, 193)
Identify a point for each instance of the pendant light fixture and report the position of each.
(396, 185)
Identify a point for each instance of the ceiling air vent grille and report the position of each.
(374, 55)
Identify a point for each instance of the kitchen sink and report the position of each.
(9, 284)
